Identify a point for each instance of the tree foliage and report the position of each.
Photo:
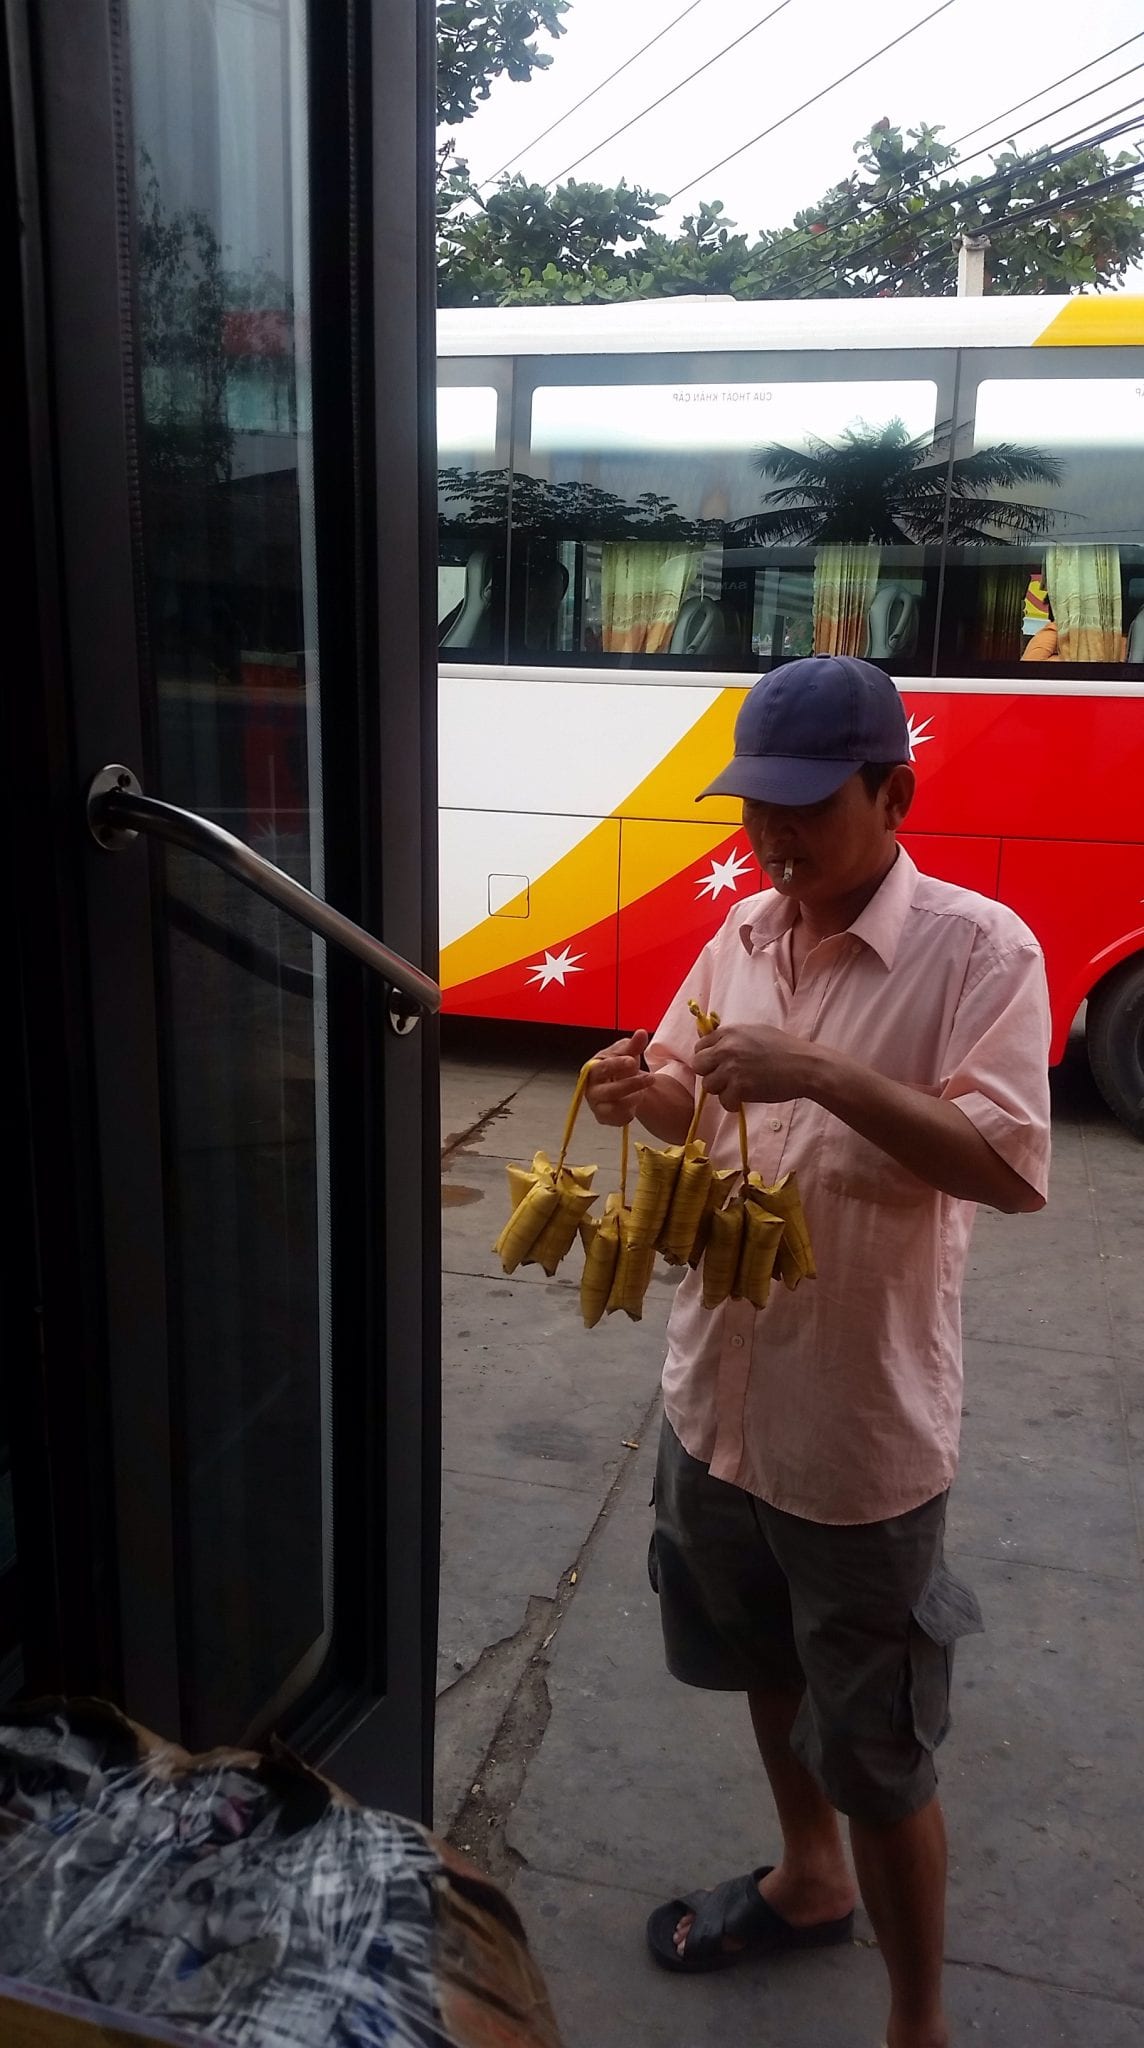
(479, 41)
(883, 232)
(882, 484)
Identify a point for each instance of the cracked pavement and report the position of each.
(592, 1786)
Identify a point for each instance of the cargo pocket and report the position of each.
(946, 1610)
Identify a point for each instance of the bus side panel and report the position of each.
(532, 902)
(1026, 765)
(1085, 903)
(970, 863)
(677, 883)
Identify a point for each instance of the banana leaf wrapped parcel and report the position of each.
(618, 1262)
(549, 1203)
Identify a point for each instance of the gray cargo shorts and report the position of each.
(860, 1618)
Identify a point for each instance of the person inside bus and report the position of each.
(887, 1034)
(1045, 644)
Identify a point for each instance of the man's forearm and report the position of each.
(665, 1109)
(931, 1138)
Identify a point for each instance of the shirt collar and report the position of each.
(879, 926)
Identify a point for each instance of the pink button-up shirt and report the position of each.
(841, 1401)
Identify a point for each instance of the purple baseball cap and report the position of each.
(807, 727)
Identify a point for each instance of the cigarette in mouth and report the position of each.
(788, 871)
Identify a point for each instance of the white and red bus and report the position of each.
(645, 507)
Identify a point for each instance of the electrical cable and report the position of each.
(813, 100)
(671, 91)
(1042, 160)
(804, 237)
(1038, 209)
(585, 97)
(1045, 89)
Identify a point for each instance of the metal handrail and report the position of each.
(117, 809)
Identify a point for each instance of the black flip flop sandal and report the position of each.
(734, 1910)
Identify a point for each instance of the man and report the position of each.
(888, 1034)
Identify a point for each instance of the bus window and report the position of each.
(1051, 566)
(728, 526)
(472, 496)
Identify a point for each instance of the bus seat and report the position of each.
(699, 628)
(893, 622)
(545, 591)
(1134, 650)
(470, 625)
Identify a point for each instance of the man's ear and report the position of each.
(898, 793)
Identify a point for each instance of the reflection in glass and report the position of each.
(219, 94)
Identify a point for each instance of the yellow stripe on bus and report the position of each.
(580, 888)
(1095, 323)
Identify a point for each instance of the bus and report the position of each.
(645, 507)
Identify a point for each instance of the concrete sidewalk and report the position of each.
(602, 1787)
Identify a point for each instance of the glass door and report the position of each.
(248, 633)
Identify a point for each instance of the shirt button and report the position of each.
(737, 1343)
(776, 1123)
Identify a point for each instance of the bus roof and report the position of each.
(665, 326)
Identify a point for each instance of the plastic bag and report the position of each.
(244, 1899)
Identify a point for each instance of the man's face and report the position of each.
(835, 847)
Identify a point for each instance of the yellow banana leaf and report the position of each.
(720, 1183)
(721, 1258)
(600, 1236)
(655, 1186)
(521, 1178)
(795, 1260)
(762, 1236)
(525, 1224)
(556, 1238)
(549, 1203)
(688, 1204)
(634, 1268)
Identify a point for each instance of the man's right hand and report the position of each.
(616, 1082)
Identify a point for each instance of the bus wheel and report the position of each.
(1114, 1034)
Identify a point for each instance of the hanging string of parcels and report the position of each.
(683, 1208)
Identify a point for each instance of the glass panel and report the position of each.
(1052, 567)
(472, 489)
(11, 1657)
(227, 521)
(729, 525)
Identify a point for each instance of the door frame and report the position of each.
(92, 1058)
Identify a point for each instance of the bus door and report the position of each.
(218, 1489)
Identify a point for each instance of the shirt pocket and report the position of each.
(946, 1610)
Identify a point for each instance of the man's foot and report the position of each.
(800, 1901)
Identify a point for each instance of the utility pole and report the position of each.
(970, 264)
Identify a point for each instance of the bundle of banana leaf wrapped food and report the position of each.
(619, 1258)
(761, 1231)
(549, 1203)
(683, 1208)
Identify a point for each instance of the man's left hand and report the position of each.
(751, 1063)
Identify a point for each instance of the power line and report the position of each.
(1045, 89)
(997, 181)
(670, 93)
(585, 97)
(1038, 209)
(814, 98)
(804, 237)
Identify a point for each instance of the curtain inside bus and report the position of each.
(1084, 591)
(1001, 606)
(845, 580)
(643, 584)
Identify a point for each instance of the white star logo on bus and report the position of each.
(555, 967)
(725, 874)
(918, 734)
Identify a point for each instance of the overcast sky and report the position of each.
(968, 65)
